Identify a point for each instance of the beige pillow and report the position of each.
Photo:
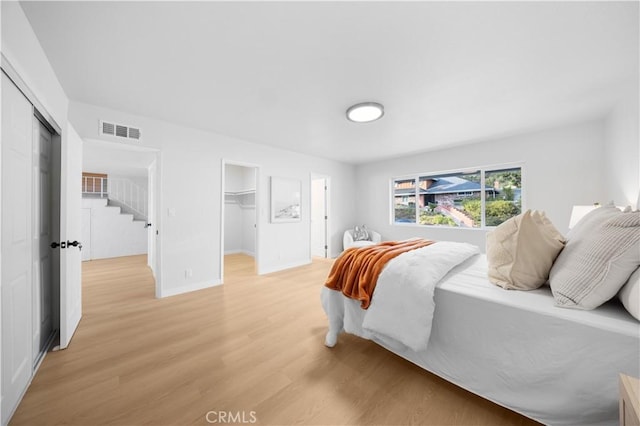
(630, 294)
(597, 260)
(521, 251)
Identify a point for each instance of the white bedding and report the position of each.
(555, 365)
(401, 309)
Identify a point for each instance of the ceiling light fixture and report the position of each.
(365, 112)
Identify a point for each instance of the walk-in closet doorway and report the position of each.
(239, 219)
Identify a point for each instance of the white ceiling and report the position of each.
(283, 73)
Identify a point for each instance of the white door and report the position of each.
(319, 217)
(151, 217)
(17, 246)
(86, 234)
(70, 231)
(42, 237)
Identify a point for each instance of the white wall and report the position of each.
(248, 230)
(239, 229)
(232, 228)
(141, 181)
(190, 238)
(622, 153)
(112, 234)
(22, 48)
(561, 167)
(239, 178)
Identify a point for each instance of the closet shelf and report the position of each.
(243, 192)
(245, 199)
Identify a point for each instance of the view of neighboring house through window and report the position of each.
(470, 199)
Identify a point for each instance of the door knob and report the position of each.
(75, 244)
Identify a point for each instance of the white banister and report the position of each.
(121, 190)
(129, 194)
(94, 185)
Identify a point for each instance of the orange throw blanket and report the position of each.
(356, 272)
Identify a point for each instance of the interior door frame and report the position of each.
(153, 199)
(223, 167)
(154, 239)
(327, 210)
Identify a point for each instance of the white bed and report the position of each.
(557, 366)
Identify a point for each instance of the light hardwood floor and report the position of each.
(252, 347)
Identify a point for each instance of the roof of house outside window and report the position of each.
(454, 184)
(446, 185)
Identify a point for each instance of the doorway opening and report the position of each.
(119, 202)
(319, 216)
(239, 220)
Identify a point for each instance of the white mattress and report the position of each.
(555, 365)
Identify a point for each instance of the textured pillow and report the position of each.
(361, 234)
(597, 260)
(630, 294)
(521, 251)
(592, 219)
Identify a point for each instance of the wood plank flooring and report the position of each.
(249, 351)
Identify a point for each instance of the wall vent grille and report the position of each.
(119, 130)
(134, 133)
(108, 128)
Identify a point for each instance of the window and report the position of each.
(404, 201)
(469, 199)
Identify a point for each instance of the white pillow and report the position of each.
(599, 257)
(630, 294)
(592, 219)
(521, 251)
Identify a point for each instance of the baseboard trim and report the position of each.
(276, 268)
(240, 251)
(189, 288)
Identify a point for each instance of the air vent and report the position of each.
(119, 130)
(108, 128)
(134, 133)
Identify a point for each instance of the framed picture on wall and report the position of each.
(285, 199)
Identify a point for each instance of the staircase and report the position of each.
(113, 226)
(107, 232)
(129, 196)
(121, 192)
(127, 210)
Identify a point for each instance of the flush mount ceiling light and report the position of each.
(365, 112)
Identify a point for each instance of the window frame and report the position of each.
(482, 170)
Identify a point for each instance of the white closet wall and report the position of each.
(240, 210)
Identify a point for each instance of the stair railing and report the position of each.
(94, 185)
(129, 194)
